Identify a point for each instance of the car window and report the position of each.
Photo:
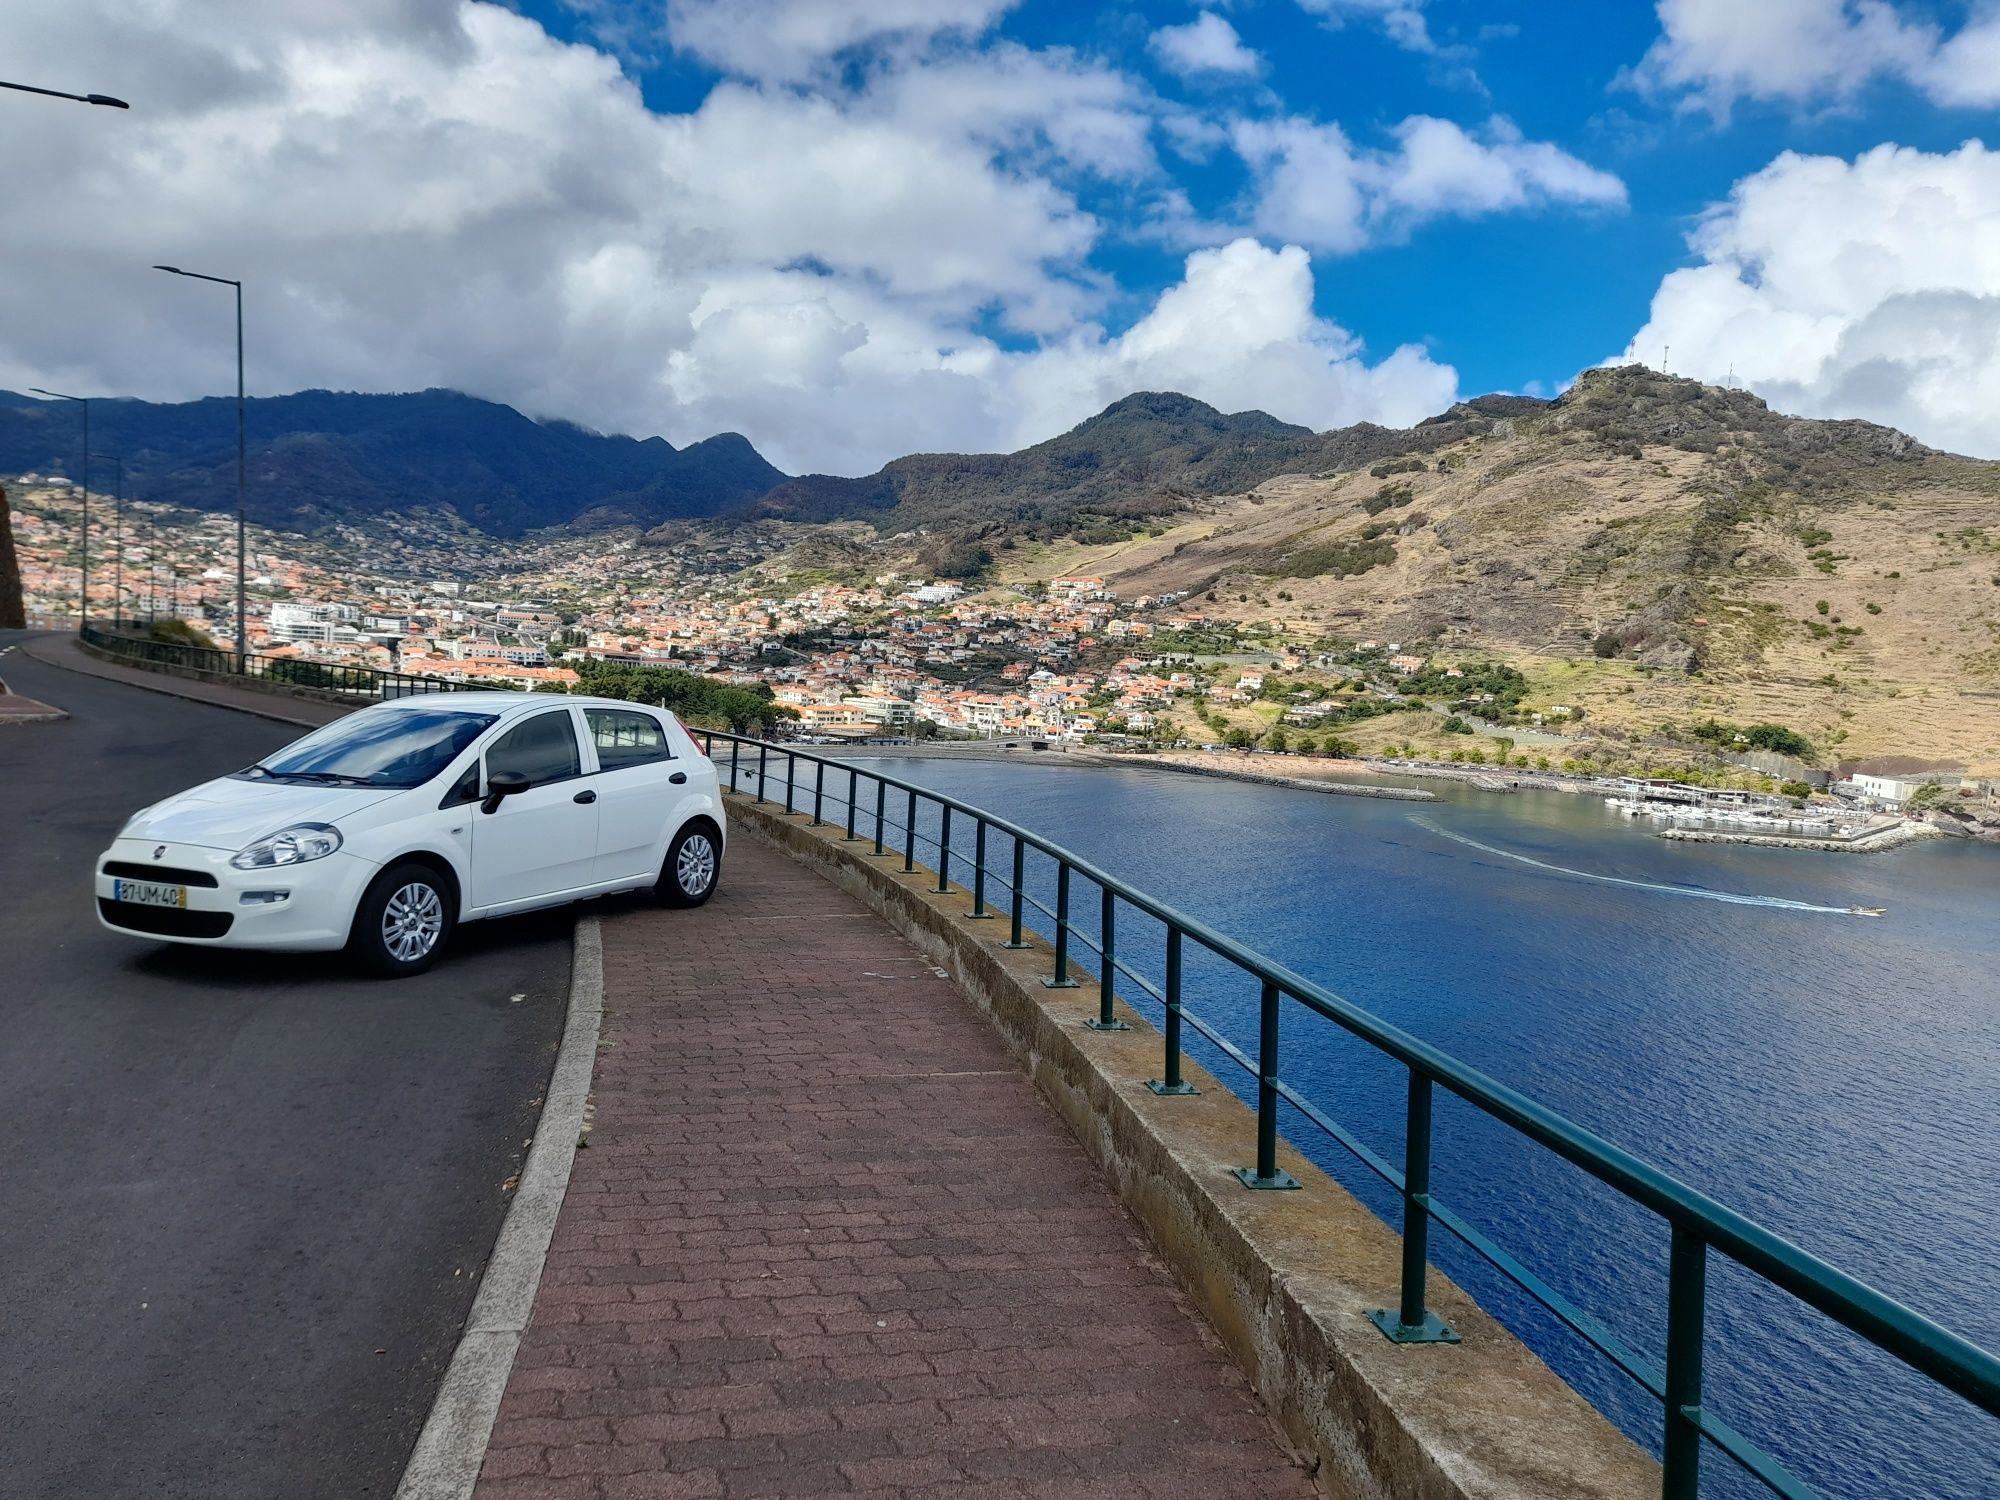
(624, 738)
(387, 746)
(543, 749)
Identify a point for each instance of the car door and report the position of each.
(638, 787)
(541, 842)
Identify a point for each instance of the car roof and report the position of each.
(499, 700)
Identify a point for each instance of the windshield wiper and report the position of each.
(330, 778)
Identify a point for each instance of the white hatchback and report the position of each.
(381, 831)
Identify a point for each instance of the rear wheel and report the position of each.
(694, 861)
(402, 921)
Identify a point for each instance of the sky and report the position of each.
(852, 229)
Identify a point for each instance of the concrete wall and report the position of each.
(1286, 1279)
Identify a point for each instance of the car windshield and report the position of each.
(386, 747)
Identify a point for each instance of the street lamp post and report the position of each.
(242, 612)
(83, 586)
(104, 99)
(117, 539)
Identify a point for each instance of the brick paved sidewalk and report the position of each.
(826, 1240)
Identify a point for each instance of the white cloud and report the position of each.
(1715, 52)
(438, 193)
(1402, 20)
(1207, 44)
(1868, 288)
(1317, 188)
(790, 39)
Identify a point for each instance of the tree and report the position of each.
(1239, 739)
(1306, 745)
(1277, 740)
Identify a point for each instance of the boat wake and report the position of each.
(1780, 902)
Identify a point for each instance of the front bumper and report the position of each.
(228, 907)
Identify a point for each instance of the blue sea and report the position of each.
(1713, 1008)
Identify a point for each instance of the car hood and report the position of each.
(227, 814)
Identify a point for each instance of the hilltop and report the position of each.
(322, 457)
(1148, 455)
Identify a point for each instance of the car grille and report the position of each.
(165, 874)
(164, 921)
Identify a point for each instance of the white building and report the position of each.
(309, 622)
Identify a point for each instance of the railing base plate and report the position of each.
(1278, 1182)
(1015, 947)
(1059, 984)
(1431, 1331)
(1096, 1025)
(979, 916)
(1171, 1090)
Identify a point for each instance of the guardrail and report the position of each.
(366, 684)
(1697, 1225)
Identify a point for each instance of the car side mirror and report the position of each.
(503, 784)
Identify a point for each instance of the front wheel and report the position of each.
(694, 860)
(402, 922)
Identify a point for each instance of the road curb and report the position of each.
(138, 680)
(445, 1462)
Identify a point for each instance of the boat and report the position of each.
(1867, 911)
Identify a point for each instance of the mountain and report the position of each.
(1648, 549)
(1145, 456)
(321, 456)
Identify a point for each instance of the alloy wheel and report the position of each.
(412, 922)
(694, 871)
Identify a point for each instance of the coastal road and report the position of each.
(244, 1201)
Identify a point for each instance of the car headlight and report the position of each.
(289, 846)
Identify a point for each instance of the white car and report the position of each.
(381, 831)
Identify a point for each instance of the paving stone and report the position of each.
(827, 1240)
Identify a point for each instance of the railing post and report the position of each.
(1687, 1297)
(853, 781)
(979, 913)
(763, 759)
(819, 791)
(1014, 939)
(1409, 1322)
(881, 801)
(1173, 1083)
(735, 755)
(910, 835)
(1265, 1175)
(944, 854)
(791, 776)
(1060, 980)
(1104, 1020)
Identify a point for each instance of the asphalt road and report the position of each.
(244, 1201)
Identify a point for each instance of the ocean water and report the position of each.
(1713, 1008)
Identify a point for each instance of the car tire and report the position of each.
(693, 866)
(403, 921)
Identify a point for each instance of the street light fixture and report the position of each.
(104, 99)
(242, 614)
(83, 586)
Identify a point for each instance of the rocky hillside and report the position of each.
(319, 457)
(1148, 455)
(1649, 549)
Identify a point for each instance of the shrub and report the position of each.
(1795, 789)
(1821, 605)
(1456, 725)
(1607, 645)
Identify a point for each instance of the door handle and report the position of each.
(679, 778)
(584, 797)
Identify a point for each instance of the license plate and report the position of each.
(149, 893)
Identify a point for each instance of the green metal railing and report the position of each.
(363, 684)
(1699, 1227)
